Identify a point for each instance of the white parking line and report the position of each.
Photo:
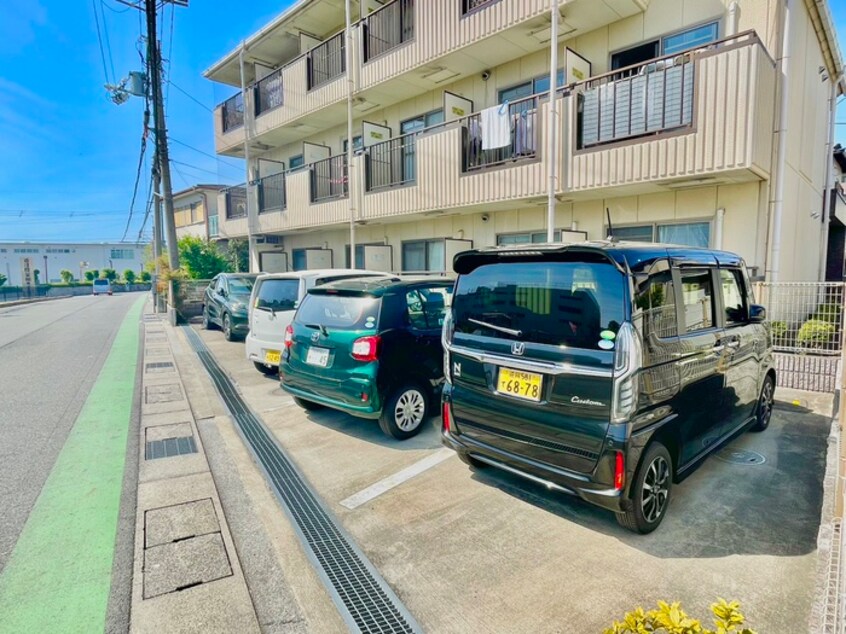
(375, 490)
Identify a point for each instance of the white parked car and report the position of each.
(274, 301)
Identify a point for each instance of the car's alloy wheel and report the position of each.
(764, 412)
(227, 328)
(656, 489)
(206, 321)
(404, 412)
(650, 491)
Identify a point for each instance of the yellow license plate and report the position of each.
(525, 385)
(272, 356)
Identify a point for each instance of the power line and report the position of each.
(108, 43)
(189, 95)
(113, 10)
(137, 180)
(149, 208)
(100, 40)
(216, 158)
(199, 169)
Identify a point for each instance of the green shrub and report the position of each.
(778, 330)
(66, 275)
(145, 276)
(671, 619)
(815, 333)
(129, 276)
(829, 313)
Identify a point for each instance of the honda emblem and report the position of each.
(518, 348)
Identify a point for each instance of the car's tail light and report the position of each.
(619, 471)
(289, 336)
(627, 362)
(366, 349)
(447, 418)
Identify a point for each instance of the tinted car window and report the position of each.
(656, 299)
(240, 285)
(555, 303)
(734, 302)
(101, 282)
(278, 294)
(698, 297)
(341, 312)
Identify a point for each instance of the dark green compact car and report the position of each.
(225, 304)
(370, 348)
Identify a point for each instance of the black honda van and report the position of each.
(607, 370)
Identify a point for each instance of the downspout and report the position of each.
(733, 19)
(206, 212)
(718, 228)
(827, 194)
(778, 186)
(553, 120)
(350, 89)
(251, 247)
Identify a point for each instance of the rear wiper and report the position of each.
(319, 327)
(507, 331)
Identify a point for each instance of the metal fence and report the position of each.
(271, 193)
(388, 27)
(806, 321)
(326, 61)
(329, 178)
(523, 121)
(391, 163)
(268, 92)
(232, 112)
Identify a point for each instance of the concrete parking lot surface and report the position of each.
(486, 551)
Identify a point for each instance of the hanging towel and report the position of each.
(496, 127)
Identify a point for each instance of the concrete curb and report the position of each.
(825, 607)
(23, 302)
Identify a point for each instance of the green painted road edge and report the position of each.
(59, 575)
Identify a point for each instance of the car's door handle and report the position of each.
(734, 344)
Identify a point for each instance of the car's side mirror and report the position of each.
(757, 314)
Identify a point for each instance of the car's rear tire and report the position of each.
(268, 370)
(207, 322)
(764, 410)
(306, 404)
(404, 413)
(227, 328)
(650, 491)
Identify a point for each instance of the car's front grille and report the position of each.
(529, 440)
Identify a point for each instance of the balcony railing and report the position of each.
(232, 112)
(637, 101)
(271, 193)
(522, 119)
(471, 5)
(268, 92)
(326, 61)
(392, 163)
(388, 27)
(236, 202)
(329, 178)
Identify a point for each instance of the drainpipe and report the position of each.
(718, 228)
(733, 19)
(553, 119)
(350, 88)
(829, 151)
(251, 245)
(777, 200)
(206, 212)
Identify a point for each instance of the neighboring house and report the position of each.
(195, 211)
(836, 255)
(665, 124)
(50, 258)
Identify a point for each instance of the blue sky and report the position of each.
(70, 154)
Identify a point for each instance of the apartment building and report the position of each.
(195, 211)
(702, 122)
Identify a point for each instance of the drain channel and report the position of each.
(363, 598)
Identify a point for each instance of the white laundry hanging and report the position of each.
(496, 127)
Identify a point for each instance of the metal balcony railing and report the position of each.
(236, 202)
(326, 61)
(471, 5)
(387, 28)
(392, 163)
(329, 178)
(232, 112)
(271, 193)
(523, 121)
(268, 92)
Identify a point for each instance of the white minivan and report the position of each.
(274, 301)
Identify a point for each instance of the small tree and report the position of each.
(238, 254)
(129, 276)
(3, 279)
(200, 258)
(92, 275)
(35, 274)
(108, 274)
(67, 276)
(145, 276)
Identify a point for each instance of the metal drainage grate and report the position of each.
(741, 456)
(363, 598)
(159, 366)
(169, 447)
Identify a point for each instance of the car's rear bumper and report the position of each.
(257, 348)
(553, 478)
(345, 396)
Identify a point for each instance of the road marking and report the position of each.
(59, 575)
(374, 491)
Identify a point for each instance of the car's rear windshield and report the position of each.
(240, 285)
(576, 304)
(340, 312)
(101, 282)
(278, 294)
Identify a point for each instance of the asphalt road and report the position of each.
(50, 356)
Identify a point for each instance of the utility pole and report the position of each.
(155, 73)
(157, 234)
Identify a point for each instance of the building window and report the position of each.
(123, 254)
(669, 45)
(213, 227)
(424, 255)
(536, 86)
(358, 144)
(534, 237)
(26, 250)
(296, 162)
(692, 234)
(422, 121)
